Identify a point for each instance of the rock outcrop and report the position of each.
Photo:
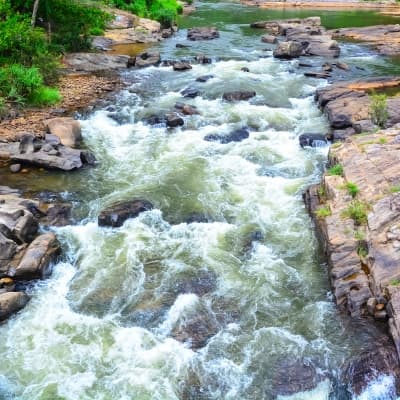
(24, 252)
(356, 210)
(95, 62)
(66, 129)
(205, 33)
(301, 37)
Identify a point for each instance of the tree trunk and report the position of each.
(34, 13)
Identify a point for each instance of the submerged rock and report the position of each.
(312, 139)
(204, 78)
(238, 95)
(173, 120)
(116, 214)
(181, 66)
(11, 302)
(190, 92)
(236, 136)
(186, 109)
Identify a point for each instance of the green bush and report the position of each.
(323, 212)
(357, 211)
(45, 96)
(335, 170)
(378, 109)
(352, 189)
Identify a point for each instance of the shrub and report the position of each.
(45, 96)
(378, 109)
(395, 189)
(362, 250)
(352, 189)
(335, 170)
(357, 211)
(323, 212)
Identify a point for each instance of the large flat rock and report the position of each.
(95, 62)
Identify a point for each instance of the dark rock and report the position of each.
(201, 283)
(190, 92)
(244, 69)
(57, 215)
(181, 66)
(312, 140)
(365, 125)
(202, 34)
(377, 360)
(269, 39)
(342, 65)
(305, 65)
(87, 157)
(197, 218)
(11, 302)
(288, 50)
(155, 120)
(294, 376)
(342, 134)
(204, 78)
(182, 46)
(15, 167)
(319, 75)
(236, 136)
(168, 63)
(147, 59)
(202, 59)
(166, 33)
(174, 120)
(116, 214)
(29, 144)
(238, 96)
(327, 67)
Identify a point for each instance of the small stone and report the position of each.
(15, 168)
(379, 307)
(181, 66)
(371, 304)
(244, 69)
(24, 171)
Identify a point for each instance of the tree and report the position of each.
(34, 13)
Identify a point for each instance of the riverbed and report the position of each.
(228, 250)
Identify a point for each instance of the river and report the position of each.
(248, 277)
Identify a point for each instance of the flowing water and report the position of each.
(247, 276)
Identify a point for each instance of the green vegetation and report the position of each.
(378, 109)
(395, 282)
(359, 235)
(335, 170)
(357, 211)
(394, 189)
(352, 189)
(362, 250)
(323, 212)
(164, 11)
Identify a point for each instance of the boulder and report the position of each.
(238, 95)
(202, 59)
(6, 285)
(66, 129)
(174, 120)
(205, 33)
(186, 109)
(29, 144)
(116, 214)
(236, 136)
(38, 258)
(204, 78)
(11, 302)
(288, 50)
(147, 59)
(190, 92)
(8, 248)
(312, 140)
(95, 62)
(15, 168)
(181, 66)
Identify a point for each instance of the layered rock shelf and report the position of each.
(356, 210)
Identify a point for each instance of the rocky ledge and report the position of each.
(384, 38)
(356, 210)
(25, 252)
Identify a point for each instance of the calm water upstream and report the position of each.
(103, 326)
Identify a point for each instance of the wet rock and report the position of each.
(288, 50)
(327, 67)
(202, 59)
(238, 95)
(269, 39)
(190, 92)
(342, 134)
(197, 218)
(204, 78)
(15, 168)
(167, 33)
(67, 129)
(380, 358)
(205, 33)
(319, 75)
(155, 120)
(12, 302)
(244, 69)
(182, 46)
(201, 283)
(147, 59)
(236, 136)
(186, 109)
(95, 62)
(181, 66)
(312, 140)
(29, 144)
(116, 214)
(305, 65)
(173, 120)
(6, 285)
(364, 125)
(294, 376)
(57, 215)
(38, 258)
(341, 65)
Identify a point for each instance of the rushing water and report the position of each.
(103, 326)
